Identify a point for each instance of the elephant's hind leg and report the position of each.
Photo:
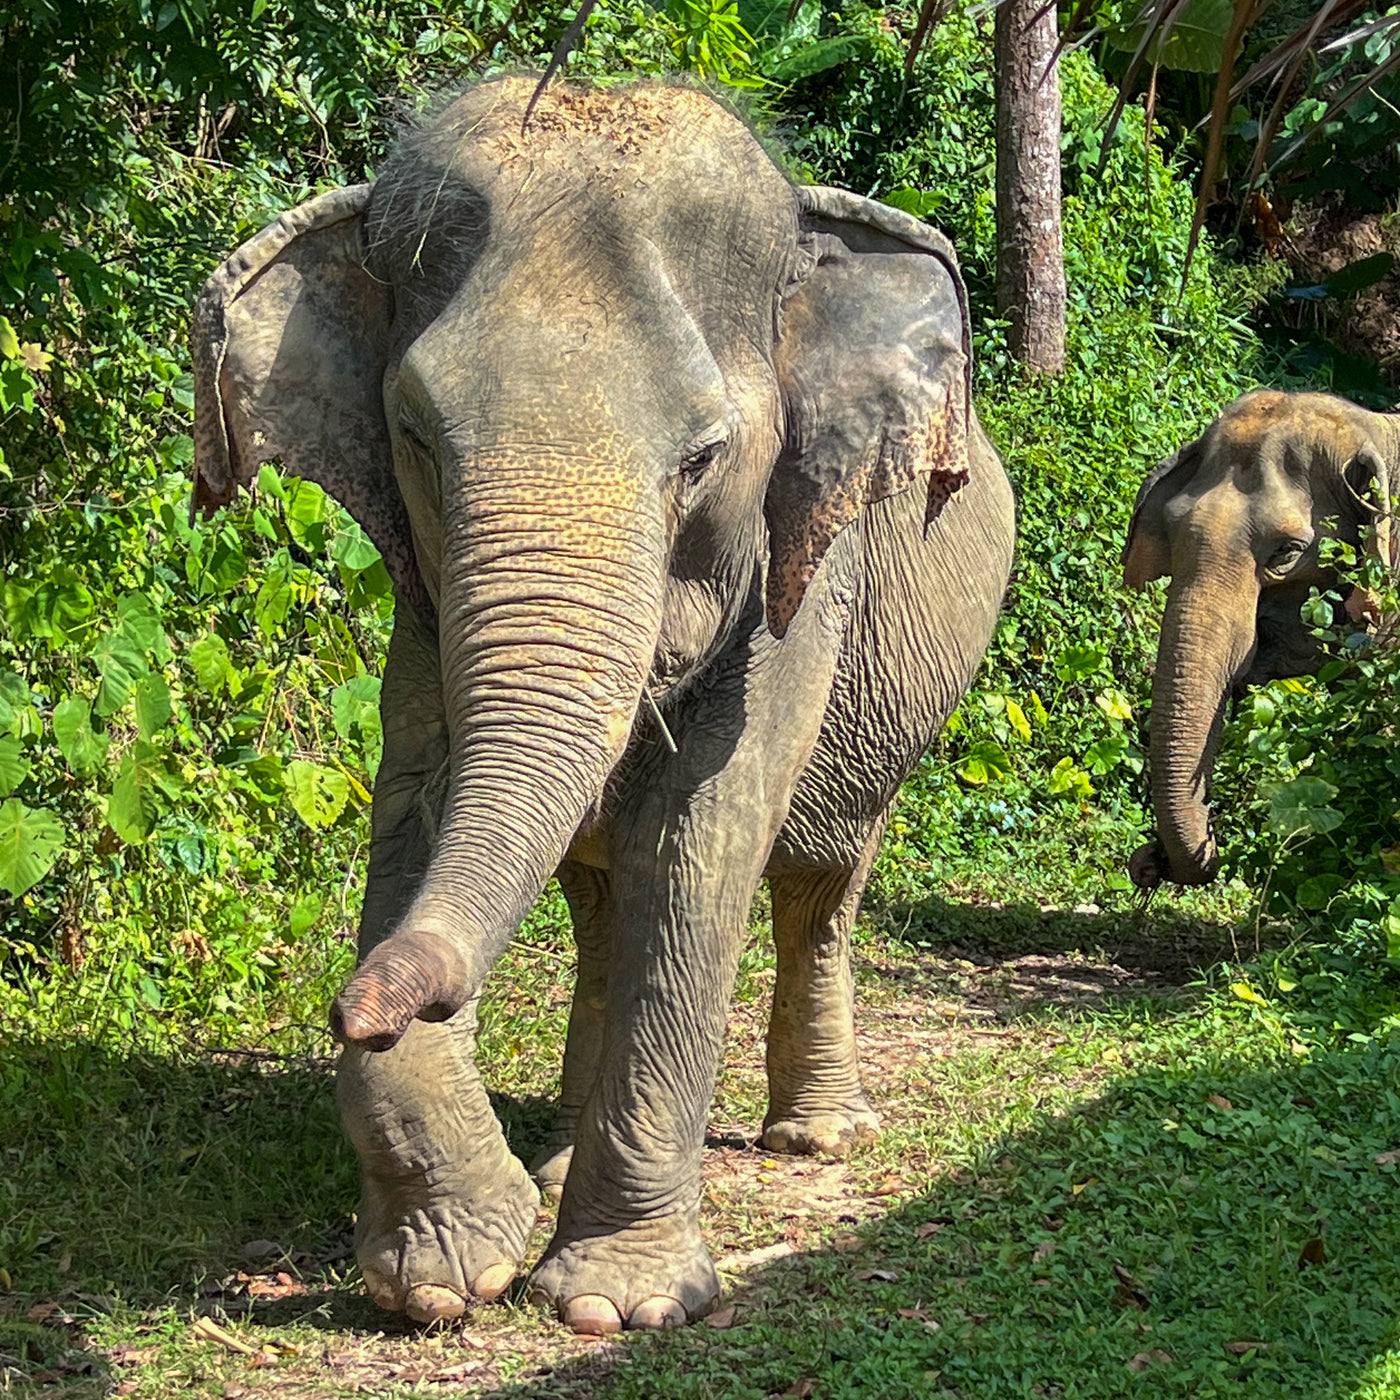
(590, 906)
(815, 1100)
(445, 1208)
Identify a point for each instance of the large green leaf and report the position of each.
(85, 750)
(137, 793)
(120, 663)
(153, 707)
(1301, 805)
(209, 659)
(15, 704)
(318, 794)
(30, 840)
(14, 767)
(355, 705)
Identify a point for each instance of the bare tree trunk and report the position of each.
(1030, 255)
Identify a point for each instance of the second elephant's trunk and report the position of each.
(1208, 637)
(548, 623)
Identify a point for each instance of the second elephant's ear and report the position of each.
(289, 343)
(874, 363)
(1146, 554)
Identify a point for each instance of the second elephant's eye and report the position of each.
(1285, 556)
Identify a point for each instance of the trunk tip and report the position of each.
(1150, 865)
(410, 976)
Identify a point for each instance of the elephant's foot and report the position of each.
(550, 1167)
(430, 1248)
(824, 1132)
(649, 1275)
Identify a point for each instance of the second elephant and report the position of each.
(696, 542)
(1236, 519)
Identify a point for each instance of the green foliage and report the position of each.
(1312, 767)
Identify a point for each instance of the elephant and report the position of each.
(696, 541)
(1236, 519)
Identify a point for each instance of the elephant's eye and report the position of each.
(1285, 556)
(699, 457)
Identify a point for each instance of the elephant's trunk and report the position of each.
(1208, 638)
(550, 613)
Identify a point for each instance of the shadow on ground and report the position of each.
(1214, 1229)
(1205, 1222)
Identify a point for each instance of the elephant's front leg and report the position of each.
(628, 1249)
(445, 1208)
(690, 837)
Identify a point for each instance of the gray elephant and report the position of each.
(1236, 519)
(696, 542)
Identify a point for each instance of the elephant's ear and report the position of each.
(1374, 487)
(289, 343)
(874, 362)
(1147, 555)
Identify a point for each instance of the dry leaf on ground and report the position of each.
(721, 1319)
(1144, 1359)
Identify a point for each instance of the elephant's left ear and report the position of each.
(874, 360)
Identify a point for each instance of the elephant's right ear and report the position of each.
(1146, 555)
(289, 345)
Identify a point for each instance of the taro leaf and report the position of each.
(85, 750)
(30, 840)
(14, 702)
(153, 707)
(1067, 778)
(121, 664)
(984, 761)
(355, 705)
(318, 794)
(135, 800)
(1077, 663)
(1301, 805)
(274, 599)
(1016, 718)
(1114, 704)
(141, 622)
(209, 660)
(14, 767)
(352, 549)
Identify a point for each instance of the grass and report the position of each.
(1113, 1164)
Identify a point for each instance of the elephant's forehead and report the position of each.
(602, 135)
(1279, 426)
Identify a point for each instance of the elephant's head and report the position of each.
(586, 384)
(1236, 519)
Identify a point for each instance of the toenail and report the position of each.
(384, 1289)
(658, 1313)
(491, 1283)
(592, 1315)
(432, 1302)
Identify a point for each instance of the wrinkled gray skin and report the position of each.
(1236, 519)
(606, 393)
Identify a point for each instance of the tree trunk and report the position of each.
(1030, 255)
